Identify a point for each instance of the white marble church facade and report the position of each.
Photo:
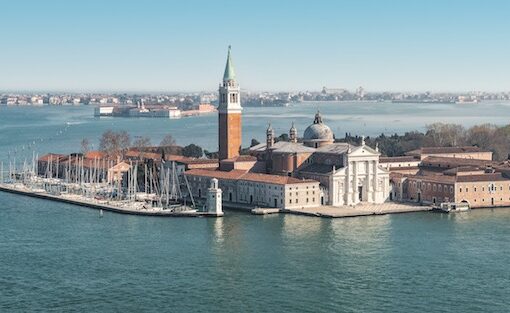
(361, 180)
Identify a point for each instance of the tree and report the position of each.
(142, 142)
(168, 140)
(211, 155)
(254, 142)
(501, 143)
(481, 135)
(445, 135)
(114, 144)
(85, 145)
(282, 137)
(193, 151)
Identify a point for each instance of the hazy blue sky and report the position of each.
(277, 45)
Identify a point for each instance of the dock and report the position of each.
(364, 209)
(327, 211)
(103, 205)
(265, 211)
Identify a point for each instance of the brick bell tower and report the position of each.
(229, 113)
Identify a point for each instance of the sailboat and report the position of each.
(171, 196)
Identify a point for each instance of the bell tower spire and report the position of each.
(229, 111)
(229, 68)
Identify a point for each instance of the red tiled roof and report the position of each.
(481, 177)
(243, 175)
(197, 161)
(132, 153)
(151, 155)
(441, 150)
(174, 157)
(443, 179)
(95, 155)
(448, 179)
(53, 157)
(447, 162)
(242, 158)
(466, 149)
(405, 158)
(144, 155)
(463, 169)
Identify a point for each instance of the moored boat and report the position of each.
(451, 207)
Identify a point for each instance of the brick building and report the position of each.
(453, 175)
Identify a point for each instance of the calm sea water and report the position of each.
(59, 257)
(21, 126)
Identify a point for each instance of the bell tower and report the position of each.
(229, 114)
(269, 137)
(293, 134)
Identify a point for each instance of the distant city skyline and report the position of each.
(159, 46)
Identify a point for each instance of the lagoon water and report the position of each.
(59, 257)
(20, 126)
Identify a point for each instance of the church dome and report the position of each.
(318, 131)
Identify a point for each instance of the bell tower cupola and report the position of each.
(293, 133)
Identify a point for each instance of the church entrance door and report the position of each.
(360, 193)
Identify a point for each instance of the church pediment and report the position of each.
(363, 151)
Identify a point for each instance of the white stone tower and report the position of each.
(293, 134)
(213, 205)
(269, 137)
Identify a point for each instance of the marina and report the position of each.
(112, 206)
(113, 188)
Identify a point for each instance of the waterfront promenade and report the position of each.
(364, 209)
(360, 210)
(323, 211)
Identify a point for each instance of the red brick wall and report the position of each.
(424, 191)
(230, 137)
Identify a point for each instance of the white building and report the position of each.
(348, 174)
(255, 189)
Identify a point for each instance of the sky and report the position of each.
(167, 46)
